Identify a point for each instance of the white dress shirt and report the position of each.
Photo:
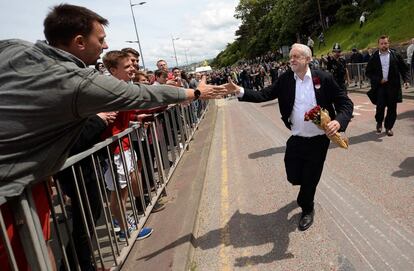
(305, 100)
(385, 64)
(410, 51)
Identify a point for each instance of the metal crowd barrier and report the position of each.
(411, 66)
(357, 77)
(159, 146)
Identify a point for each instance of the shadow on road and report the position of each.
(270, 104)
(406, 115)
(406, 168)
(267, 152)
(370, 136)
(248, 230)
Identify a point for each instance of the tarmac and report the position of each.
(171, 246)
(407, 93)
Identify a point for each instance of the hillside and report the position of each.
(393, 18)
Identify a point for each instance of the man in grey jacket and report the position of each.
(47, 93)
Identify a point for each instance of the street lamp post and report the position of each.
(136, 30)
(175, 53)
(186, 59)
(320, 15)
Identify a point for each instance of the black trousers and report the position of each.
(386, 99)
(79, 233)
(304, 159)
(149, 157)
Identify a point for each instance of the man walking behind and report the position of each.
(311, 43)
(384, 70)
(410, 57)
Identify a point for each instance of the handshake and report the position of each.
(216, 92)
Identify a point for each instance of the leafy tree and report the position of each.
(347, 14)
(269, 24)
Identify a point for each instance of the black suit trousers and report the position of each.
(304, 159)
(386, 100)
(79, 233)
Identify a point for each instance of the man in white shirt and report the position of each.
(361, 20)
(410, 51)
(299, 90)
(384, 69)
(310, 43)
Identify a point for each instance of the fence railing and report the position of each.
(357, 77)
(356, 73)
(74, 228)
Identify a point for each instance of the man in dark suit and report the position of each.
(384, 70)
(299, 90)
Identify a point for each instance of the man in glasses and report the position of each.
(298, 90)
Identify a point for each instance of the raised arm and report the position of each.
(248, 95)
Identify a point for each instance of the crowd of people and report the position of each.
(348, 68)
(65, 108)
(77, 107)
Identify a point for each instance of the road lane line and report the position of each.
(331, 216)
(368, 223)
(342, 229)
(225, 231)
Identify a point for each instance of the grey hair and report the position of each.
(305, 50)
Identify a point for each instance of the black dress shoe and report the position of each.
(389, 132)
(306, 221)
(379, 128)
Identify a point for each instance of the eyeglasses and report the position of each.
(296, 57)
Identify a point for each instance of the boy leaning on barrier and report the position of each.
(145, 117)
(120, 66)
(47, 93)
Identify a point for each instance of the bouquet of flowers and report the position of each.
(321, 118)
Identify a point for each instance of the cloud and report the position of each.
(203, 26)
(217, 16)
(203, 29)
(213, 28)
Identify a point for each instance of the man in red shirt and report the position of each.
(162, 65)
(133, 55)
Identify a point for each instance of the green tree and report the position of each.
(268, 24)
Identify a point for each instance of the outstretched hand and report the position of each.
(108, 117)
(210, 91)
(231, 87)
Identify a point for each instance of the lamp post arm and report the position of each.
(136, 32)
(175, 53)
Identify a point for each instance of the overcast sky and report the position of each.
(204, 27)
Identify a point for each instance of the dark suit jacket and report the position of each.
(329, 96)
(397, 68)
(90, 135)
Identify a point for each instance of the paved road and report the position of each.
(364, 213)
